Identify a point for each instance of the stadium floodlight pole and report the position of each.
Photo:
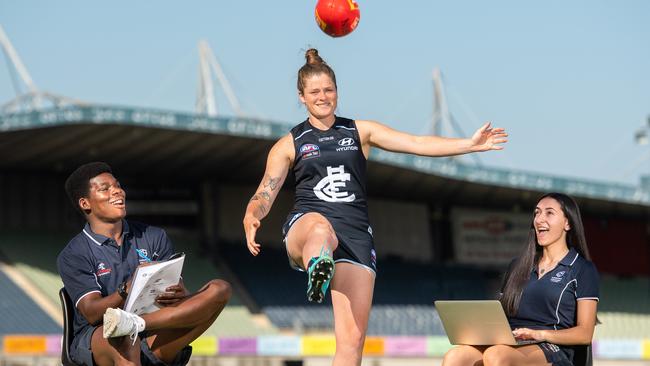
(641, 138)
(206, 102)
(442, 118)
(33, 98)
(20, 67)
(641, 135)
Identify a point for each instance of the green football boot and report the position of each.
(319, 275)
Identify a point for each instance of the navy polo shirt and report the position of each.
(550, 302)
(94, 263)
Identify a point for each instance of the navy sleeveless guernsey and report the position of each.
(330, 175)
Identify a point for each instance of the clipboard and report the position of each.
(150, 281)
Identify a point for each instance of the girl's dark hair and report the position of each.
(314, 65)
(519, 271)
(78, 183)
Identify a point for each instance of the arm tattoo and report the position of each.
(273, 183)
(265, 195)
(262, 206)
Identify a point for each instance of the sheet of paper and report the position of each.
(150, 281)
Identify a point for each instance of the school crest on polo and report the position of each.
(558, 277)
(102, 270)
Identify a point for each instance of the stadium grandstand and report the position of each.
(448, 232)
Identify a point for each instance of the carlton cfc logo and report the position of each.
(329, 188)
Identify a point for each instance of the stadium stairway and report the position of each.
(34, 255)
(19, 313)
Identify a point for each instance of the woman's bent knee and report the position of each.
(461, 355)
(324, 229)
(497, 355)
(454, 356)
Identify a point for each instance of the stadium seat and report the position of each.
(67, 307)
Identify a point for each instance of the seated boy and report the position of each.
(97, 266)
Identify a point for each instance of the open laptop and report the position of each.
(476, 323)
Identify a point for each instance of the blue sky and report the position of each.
(569, 80)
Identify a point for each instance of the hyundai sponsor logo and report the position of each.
(347, 144)
(346, 141)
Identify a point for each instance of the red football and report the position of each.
(337, 18)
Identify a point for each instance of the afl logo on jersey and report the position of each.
(308, 151)
(347, 144)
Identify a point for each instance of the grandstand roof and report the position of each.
(190, 146)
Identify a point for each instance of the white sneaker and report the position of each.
(118, 323)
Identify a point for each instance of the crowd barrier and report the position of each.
(319, 345)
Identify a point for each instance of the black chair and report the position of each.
(67, 307)
(583, 356)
